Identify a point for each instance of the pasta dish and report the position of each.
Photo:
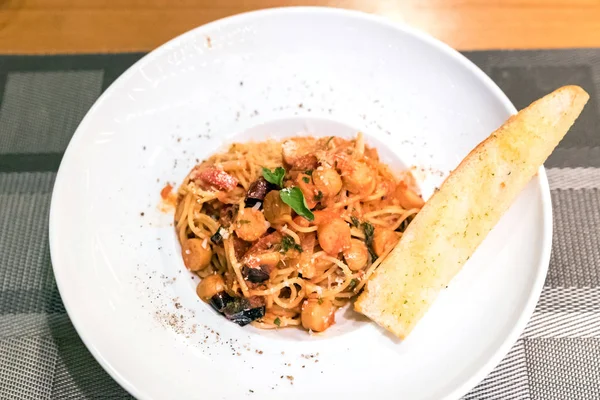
(283, 233)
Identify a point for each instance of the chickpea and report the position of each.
(327, 180)
(334, 236)
(408, 198)
(196, 256)
(383, 240)
(357, 255)
(318, 314)
(250, 224)
(210, 286)
(274, 208)
(359, 178)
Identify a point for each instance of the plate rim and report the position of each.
(543, 185)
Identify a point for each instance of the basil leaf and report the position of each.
(275, 177)
(294, 198)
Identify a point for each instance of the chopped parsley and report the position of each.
(288, 243)
(355, 221)
(320, 301)
(328, 140)
(306, 179)
(308, 172)
(243, 221)
(275, 177)
(318, 196)
(277, 321)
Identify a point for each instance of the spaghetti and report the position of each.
(283, 233)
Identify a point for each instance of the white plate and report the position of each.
(280, 72)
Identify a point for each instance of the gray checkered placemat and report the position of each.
(43, 98)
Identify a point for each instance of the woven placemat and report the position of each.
(43, 98)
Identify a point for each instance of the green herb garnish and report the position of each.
(288, 243)
(277, 321)
(369, 232)
(328, 140)
(318, 196)
(355, 221)
(306, 179)
(275, 177)
(243, 221)
(294, 198)
(320, 301)
(308, 172)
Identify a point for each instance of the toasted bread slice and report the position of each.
(459, 216)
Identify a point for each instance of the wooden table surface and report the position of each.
(79, 26)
